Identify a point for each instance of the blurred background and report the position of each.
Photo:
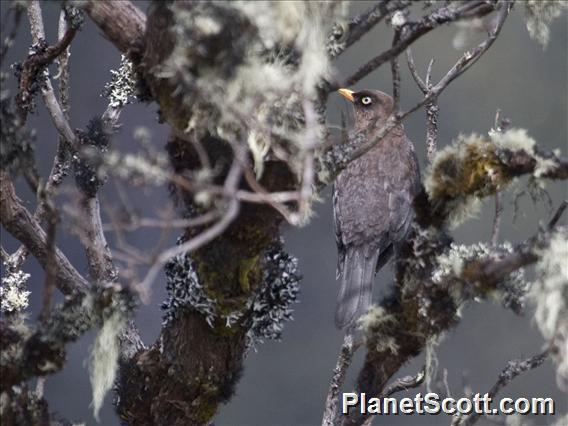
(285, 383)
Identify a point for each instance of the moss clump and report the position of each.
(469, 167)
(248, 271)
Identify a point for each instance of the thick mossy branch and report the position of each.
(428, 303)
(121, 22)
(436, 277)
(212, 313)
(476, 166)
(225, 75)
(239, 71)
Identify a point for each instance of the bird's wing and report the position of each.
(337, 230)
(405, 184)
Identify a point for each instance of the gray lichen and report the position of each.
(376, 325)
(103, 359)
(271, 306)
(87, 164)
(265, 64)
(185, 291)
(139, 169)
(476, 166)
(13, 292)
(539, 14)
(264, 313)
(121, 90)
(449, 271)
(549, 294)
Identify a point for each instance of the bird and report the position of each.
(372, 203)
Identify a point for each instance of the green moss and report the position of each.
(247, 268)
(208, 277)
(208, 405)
(206, 412)
(471, 168)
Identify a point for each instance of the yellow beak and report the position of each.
(347, 94)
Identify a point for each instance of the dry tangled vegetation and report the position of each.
(243, 87)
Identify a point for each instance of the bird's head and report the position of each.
(371, 107)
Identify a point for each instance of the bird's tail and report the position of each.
(356, 286)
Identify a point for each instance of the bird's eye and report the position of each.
(366, 100)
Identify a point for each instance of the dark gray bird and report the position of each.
(372, 204)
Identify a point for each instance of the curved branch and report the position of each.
(513, 369)
(21, 224)
(339, 156)
(366, 21)
(120, 21)
(406, 327)
(412, 31)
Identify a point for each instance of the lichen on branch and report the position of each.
(476, 166)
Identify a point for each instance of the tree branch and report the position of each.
(414, 30)
(343, 362)
(34, 63)
(402, 322)
(51, 103)
(337, 158)
(232, 210)
(20, 223)
(365, 22)
(405, 383)
(395, 72)
(432, 109)
(513, 369)
(121, 22)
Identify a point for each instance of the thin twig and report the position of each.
(416, 30)
(99, 256)
(63, 71)
(22, 225)
(268, 197)
(395, 71)
(400, 385)
(510, 372)
(51, 103)
(61, 162)
(231, 183)
(432, 112)
(497, 218)
(462, 65)
(36, 62)
(414, 72)
(366, 21)
(337, 380)
(432, 109)
(499, 126)
(404, 383)
(138, 223)
(559, 212)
